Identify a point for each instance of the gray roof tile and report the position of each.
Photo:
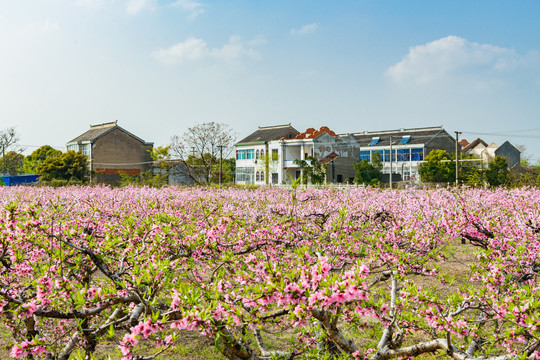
(269, 133)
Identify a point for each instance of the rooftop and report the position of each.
(269, 133)
(99, 130)
(401, 136)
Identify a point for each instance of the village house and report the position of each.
(284, 145)
(479, 149)
(113, 151)
(408, 147)
(270, 155)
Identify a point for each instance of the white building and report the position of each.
(409, 148)
(259, 155)
(268, 156)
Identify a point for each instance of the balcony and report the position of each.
(289, 164)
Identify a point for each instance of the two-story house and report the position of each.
(270, 154)
(404, 149)
(112, 151)
(257, 154)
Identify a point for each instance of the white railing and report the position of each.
(290, 164)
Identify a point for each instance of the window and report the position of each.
(386, 157)
(275, 155)
(245, 154)
(257, 155)
(405, 139)
(274, 178)
(365, 155)
(257, 176)
(262, 154)
(245, 175)
(417, 154)
(86, 150)
(374, 141)
(262, 175)
(403, 155)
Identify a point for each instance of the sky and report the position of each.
(160, 67)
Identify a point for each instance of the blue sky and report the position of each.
(162, 66)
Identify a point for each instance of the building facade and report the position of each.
(402, 151)
(259, 155)
(479, 149)
(264, 158)
(113, 151)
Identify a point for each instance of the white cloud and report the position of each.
(305, 30)
(452, 55)
(196, 49)
(195, 8)
(135, 6)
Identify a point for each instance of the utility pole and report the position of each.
(220, 162)
(457, 157)
(391, 156)
(3, 159)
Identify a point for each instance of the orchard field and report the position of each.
(139, 273)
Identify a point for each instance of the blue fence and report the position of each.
(15, 180)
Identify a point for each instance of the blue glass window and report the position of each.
(374, 141)
(365, 155)
(403, 155)
(417, 154)
(405, 139)
(387, 155)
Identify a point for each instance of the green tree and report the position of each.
(8, 137)
(497, 173)
(161, 156)
(313, 170)
(70, 166)
(369, 173)
(37, 157)
(439, 166)
(472, 176)
(12, 163)
(200, 148)
(228, 168)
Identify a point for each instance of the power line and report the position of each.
(504, 135)
(511, 131)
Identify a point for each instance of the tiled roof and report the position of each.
(311, 133)
(417, 136)
(474, 143)
(97, 131)
(329, 158)
(269, 133)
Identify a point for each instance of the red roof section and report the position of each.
(463, 142)
(329, 158)
(311, 133)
